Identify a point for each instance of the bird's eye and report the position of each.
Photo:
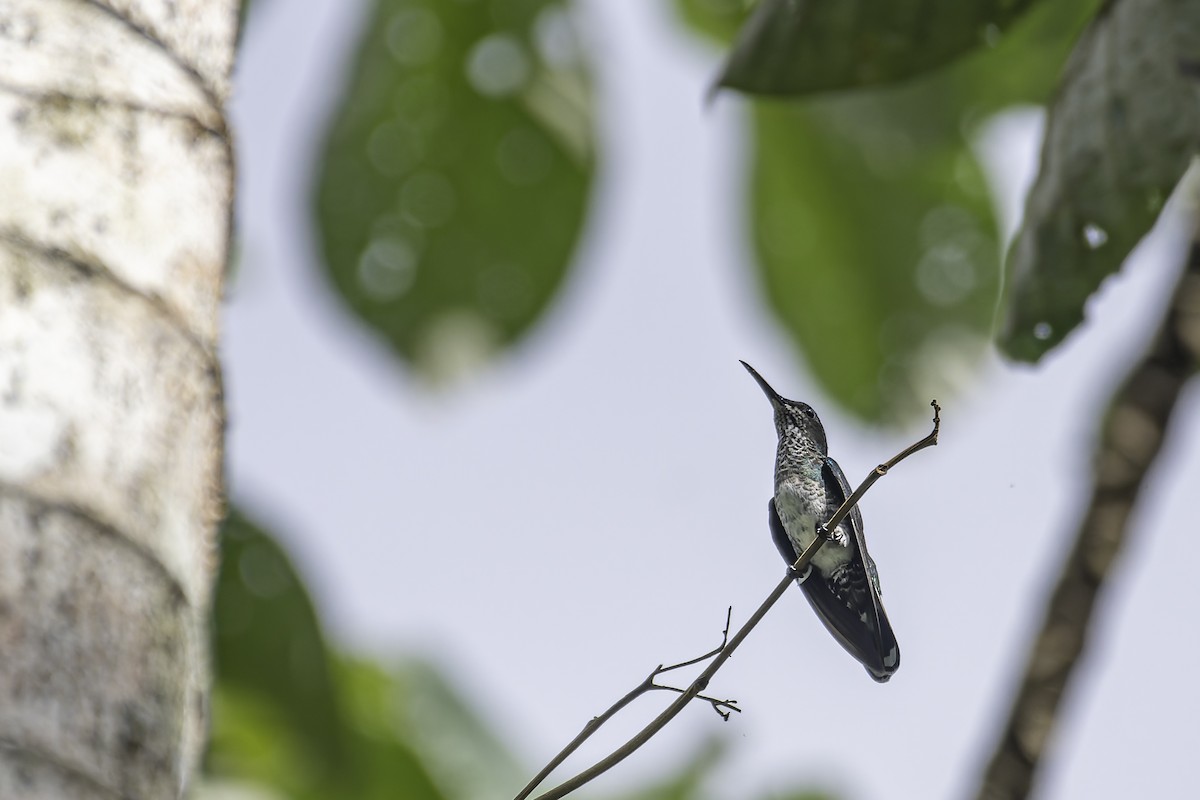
(808, 412)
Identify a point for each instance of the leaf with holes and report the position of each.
(456, 174)
(1121, 132)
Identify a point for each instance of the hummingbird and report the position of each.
(841, 583)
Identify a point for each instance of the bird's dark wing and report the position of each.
(836, 492)
(778, 535)
(847, 601)
(861, 577)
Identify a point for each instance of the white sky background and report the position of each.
(589, 505)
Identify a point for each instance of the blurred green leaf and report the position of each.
(386, 766)
(1121, 132)
(286, 714)
(791, 47)
(877, 247)
(451, 739)
(243, 15)
(455, 176)
(269, 645)
(1021, 66)
(402, 732)
(872, 225)
(719, 20)
(688, 781)
(253, 742)
(205, 787)
(685, 782)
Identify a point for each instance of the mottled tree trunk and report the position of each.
(1133, 432)
(115, 195)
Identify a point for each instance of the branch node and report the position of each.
(716, 703)
(729, 706)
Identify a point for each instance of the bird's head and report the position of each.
(792, 416)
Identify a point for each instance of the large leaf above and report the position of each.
(871, 220)
(1121, 132)
(792, 47)
(456, 174)
(877, 247)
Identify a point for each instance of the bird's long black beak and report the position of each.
(771, 394)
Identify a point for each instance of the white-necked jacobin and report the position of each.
(841, 583)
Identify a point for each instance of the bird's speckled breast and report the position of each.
(799, 502)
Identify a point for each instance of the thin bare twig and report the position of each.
(647, 685)
(1132, 435)
(719, 656)
(730, 705)
(724, 641)
(879, 472)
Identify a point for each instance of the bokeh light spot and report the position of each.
(1095, 236)
(414, 36)
(555, 39)
(498, 66)
(387, 267)
(946, 274)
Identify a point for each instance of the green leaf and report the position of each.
(686, 781)
(877, 246)
(269, 646)
(874, 234)
(462, 753)
(717, 19)
(287, 714)
(456, 174)
(243, 15)
(252, 742)
(1121, 132)
(254, 745)
(387, 766)
(793, 47)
